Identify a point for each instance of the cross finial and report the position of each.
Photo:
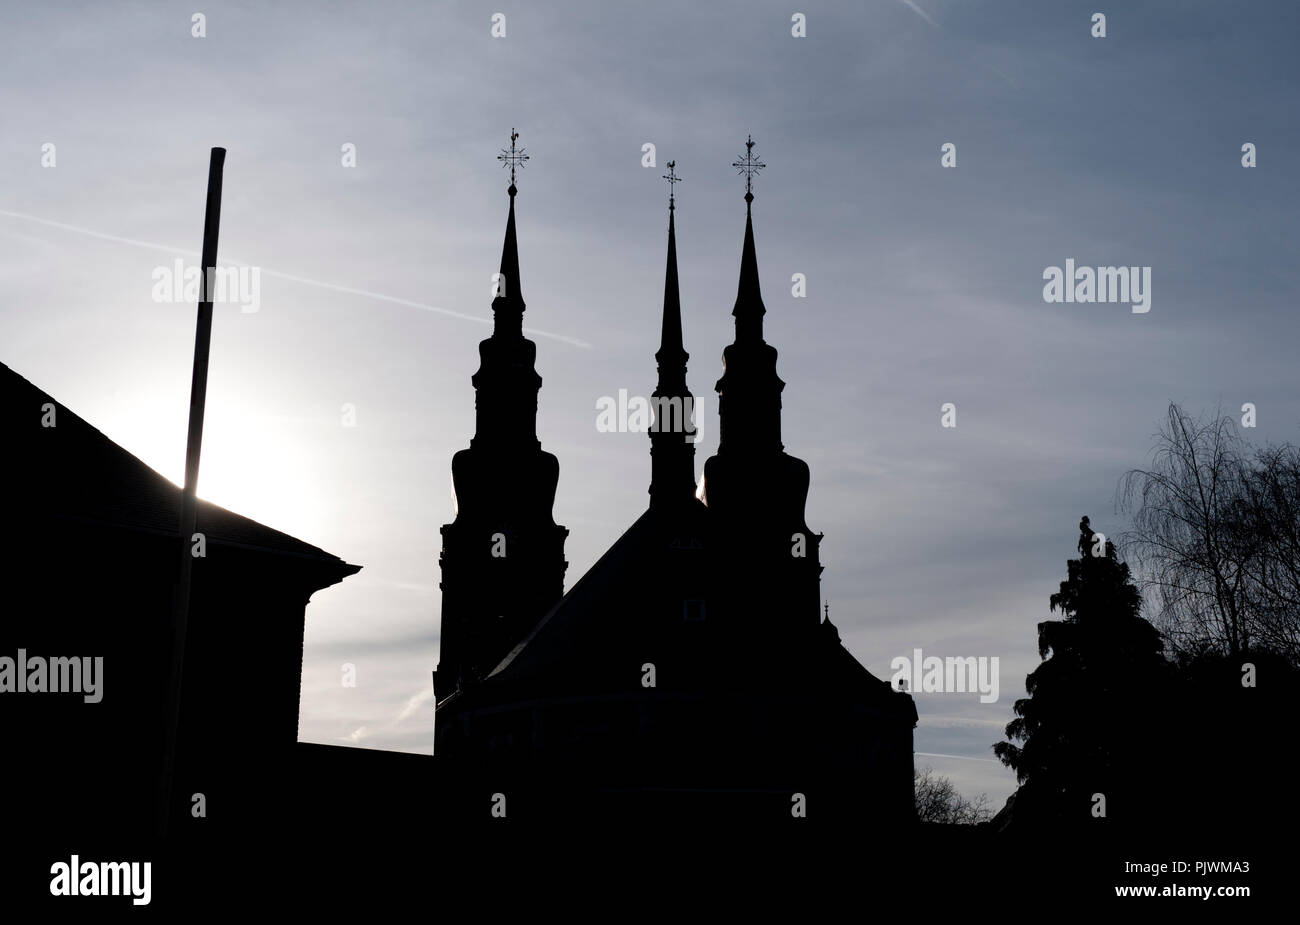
(826, 608)
(673, 180)
(513, 158)
(749, 166)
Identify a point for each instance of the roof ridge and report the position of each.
(234, 523)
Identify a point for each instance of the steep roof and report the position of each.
(551, 639)
(72, 471)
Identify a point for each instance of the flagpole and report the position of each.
(189, 500)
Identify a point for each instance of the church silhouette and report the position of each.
(691, 667)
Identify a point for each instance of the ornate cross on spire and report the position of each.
(749, 166)
(513, 158)
(673, 180)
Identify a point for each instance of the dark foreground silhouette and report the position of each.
(683, 722)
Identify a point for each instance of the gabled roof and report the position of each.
(72, 471)
(551, 638)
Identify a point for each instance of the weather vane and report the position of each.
(512, 157)
(673, 180)
(749, 166)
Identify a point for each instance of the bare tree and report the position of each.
(937, 800)
(1214, 537)
(1271, 499)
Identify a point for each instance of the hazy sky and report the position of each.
(924, 284)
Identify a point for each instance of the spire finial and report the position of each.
(513, 158)
(673, 180)
(749, 165)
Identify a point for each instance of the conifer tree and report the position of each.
(1090, 723)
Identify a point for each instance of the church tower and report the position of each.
(754, 490)
(672, 435)
(502, 557)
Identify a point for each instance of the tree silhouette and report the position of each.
(1216, 538)
(937, 800)
(1271, 527)
(1085, 727)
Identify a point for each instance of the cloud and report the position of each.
(413, 704)
(356, 735)
(302, 280)
(962, 757)
(920, 12)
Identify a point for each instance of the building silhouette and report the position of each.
(691, 666)
(90, 551)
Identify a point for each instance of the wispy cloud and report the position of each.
(303, 280)
(414, 703)
(920, 12)
(356, 735)
(962, 757)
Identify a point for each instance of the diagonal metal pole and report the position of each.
(189, 501)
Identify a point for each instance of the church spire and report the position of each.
(749, 390)
(749, 308)
(672, 354)
(508, 305)
(672, 447)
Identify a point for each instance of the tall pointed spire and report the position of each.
(506, 381)
(749, 308)
(749, 390)
(670, 337)
(672, 447)
(672, 354)
(508, 305)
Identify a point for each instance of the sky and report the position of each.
(924, 283)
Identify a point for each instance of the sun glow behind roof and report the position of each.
(254, 463)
